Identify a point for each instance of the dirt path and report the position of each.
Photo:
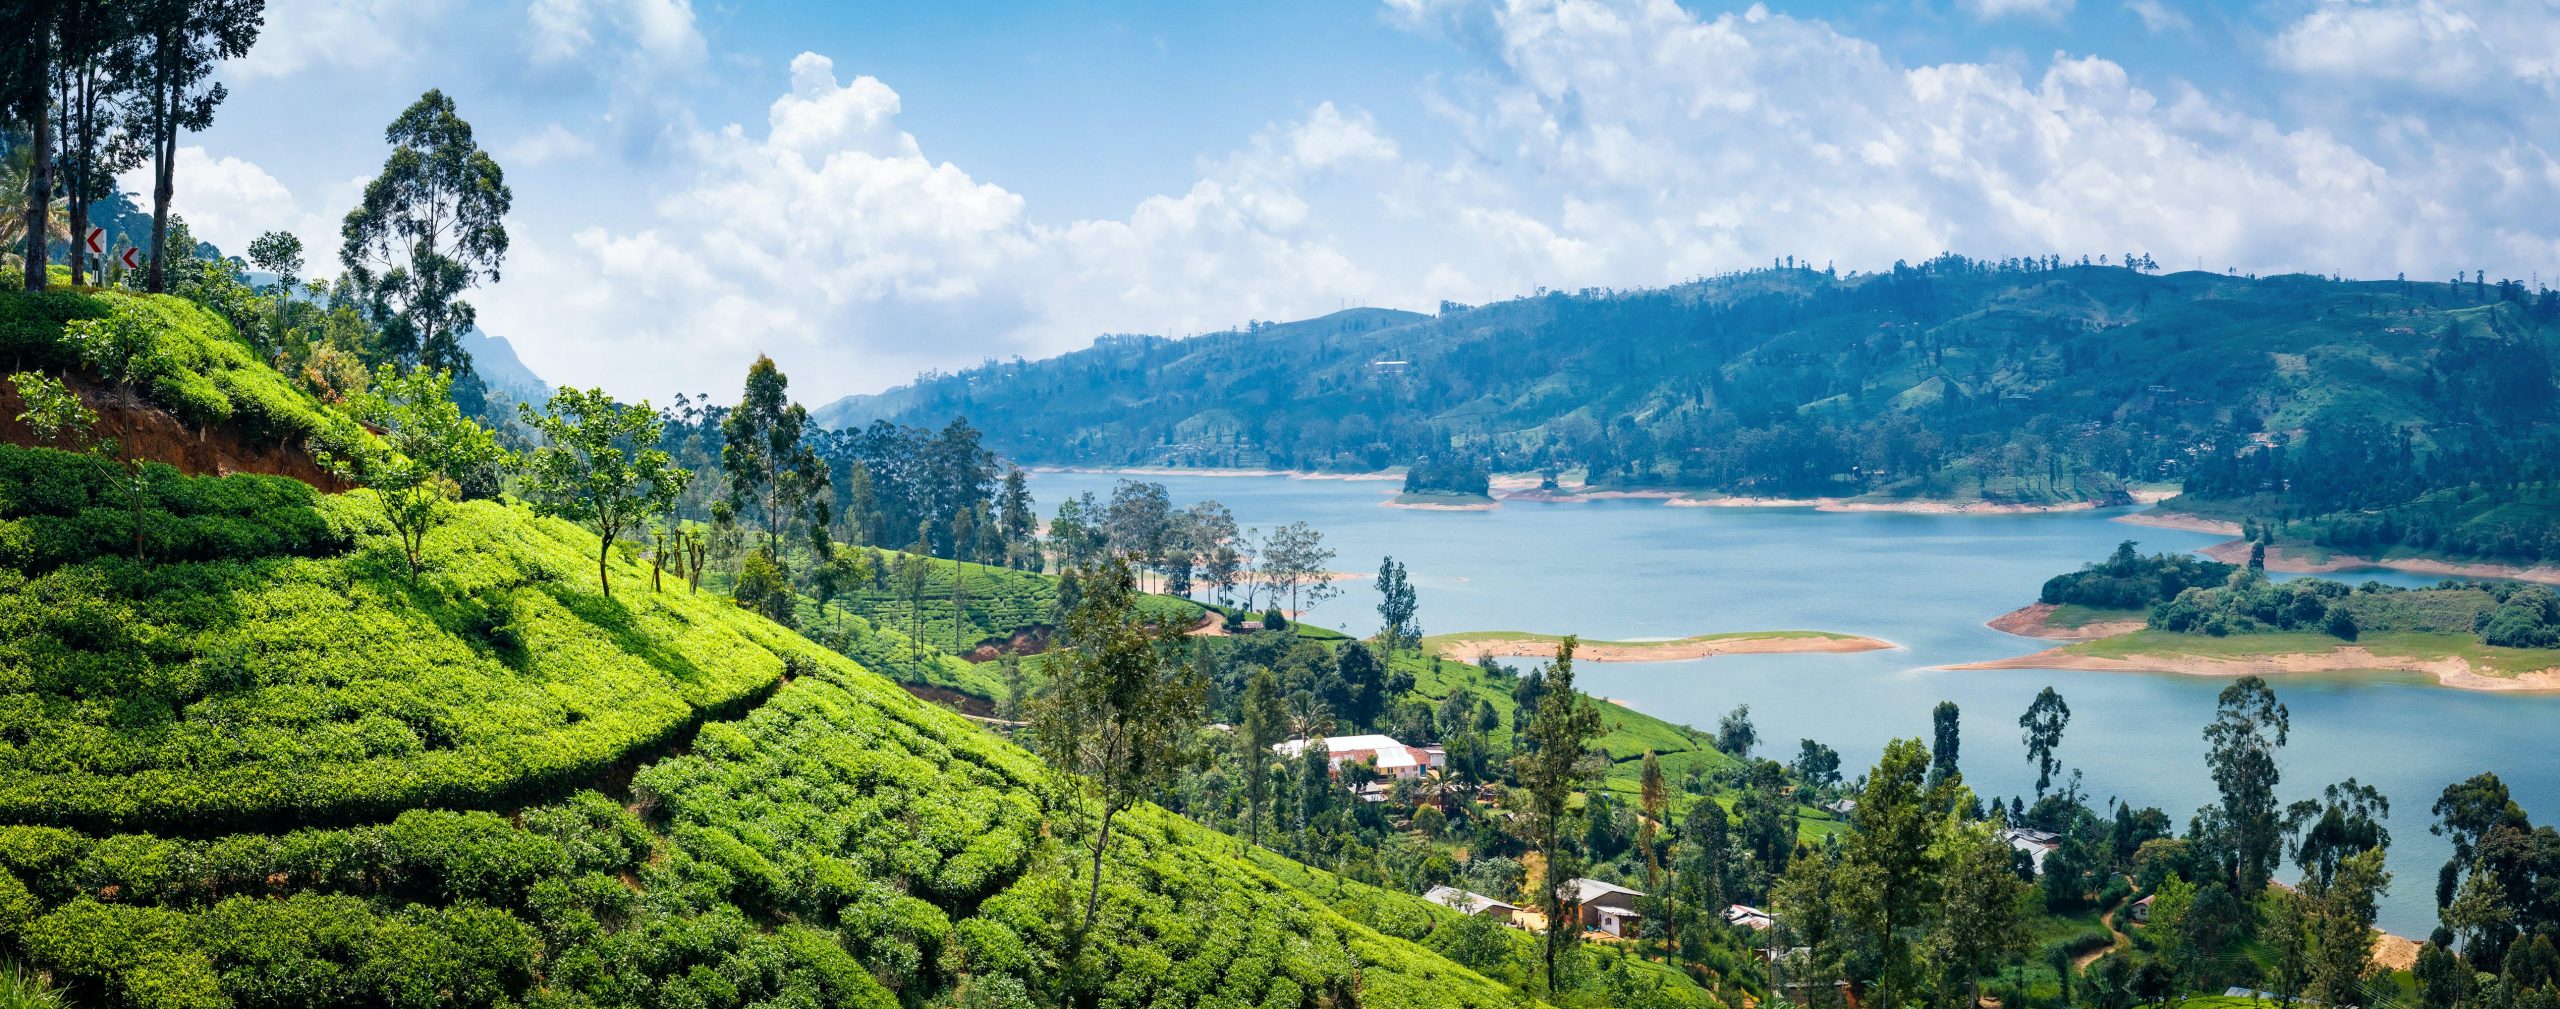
(2082, 962)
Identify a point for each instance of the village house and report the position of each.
(1749, 917)
(2142, 910)
(1471, 902)
(2036, 843)
(1393, 759)
(1606, 908)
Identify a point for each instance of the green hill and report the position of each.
(1957, 378)
(264, 765)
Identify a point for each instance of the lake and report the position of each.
(1618, 570)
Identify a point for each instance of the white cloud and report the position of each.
(654, 32)
(2158, 17)
(829, 239)
(1990, 9)
(553, 142)
(229, 201)
(1607, 143)
(302, 34)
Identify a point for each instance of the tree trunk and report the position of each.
(1093, 898)
(164, 185)
(32, 108)
(604, 549)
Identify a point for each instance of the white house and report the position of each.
(2036, 843)
(1607, 907)
(1394, 759)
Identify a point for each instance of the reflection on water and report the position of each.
(1625, 570)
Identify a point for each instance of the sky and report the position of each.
(868, 190)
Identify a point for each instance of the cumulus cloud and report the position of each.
(1599, 143)
(829, 238)
(229, 201)
(2441, 47)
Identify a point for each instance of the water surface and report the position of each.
(1619, 570)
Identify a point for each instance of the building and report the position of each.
(2142, 910)
(1749, 917)
(2036, 843)
(1393, 759)
(1470, 902)
(1842, 808)
(1606, 908)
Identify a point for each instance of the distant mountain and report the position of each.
(2017, 381)
(495, 361)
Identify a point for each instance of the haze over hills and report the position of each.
(2029, 382)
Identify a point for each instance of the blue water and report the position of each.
(1618, 570)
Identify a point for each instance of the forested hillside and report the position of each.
(2023, 381)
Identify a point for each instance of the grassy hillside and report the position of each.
(1953, 379)
(263, 765)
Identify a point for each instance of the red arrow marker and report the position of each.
(97, 241)
(132, 259)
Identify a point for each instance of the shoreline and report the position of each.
(2237, 552)
(1914, 506)
(2034, 621)
(1472, 645)
(1213, 471)
(2157, 519)
(2452, 671)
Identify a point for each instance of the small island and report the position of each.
(1447, 484)
(1473, 645)
(2176, 613)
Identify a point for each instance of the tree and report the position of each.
(1264, 721)
(2248, 727)
(775, 478)
(427, 447)
(1550, 768)
(1735, 734)
(1396, 606)
(1122, 706)
(2347, 822)
(180, 42)
(1946, 741)
(91, 80)
(2342, 927)
(1890, 866)
(1979, 923)
(1019, 524)
(430, 227)
(596, 466)
(2042, 727)
(1817, 766)
(1213, 532)
(1653, 799)
(1294, 559)
(29, 75)
(279, 253)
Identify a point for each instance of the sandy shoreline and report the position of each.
(2237, 552)
(1462, 647)
(1212, 471)
(2158, 519)
(1911, 507)
(2034, 621)
(2451, 671)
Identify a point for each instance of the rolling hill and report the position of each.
(262, 764)
(2026, 382)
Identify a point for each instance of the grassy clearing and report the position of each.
(2420, 646)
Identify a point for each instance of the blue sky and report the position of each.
(865, 190)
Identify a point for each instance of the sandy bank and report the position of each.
(2034, 621)
(2452, 671)
(2158, 519)
(2278, 559)
(1216, 471)
(1460, 646)
(1908, 507)
(1441, 503)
